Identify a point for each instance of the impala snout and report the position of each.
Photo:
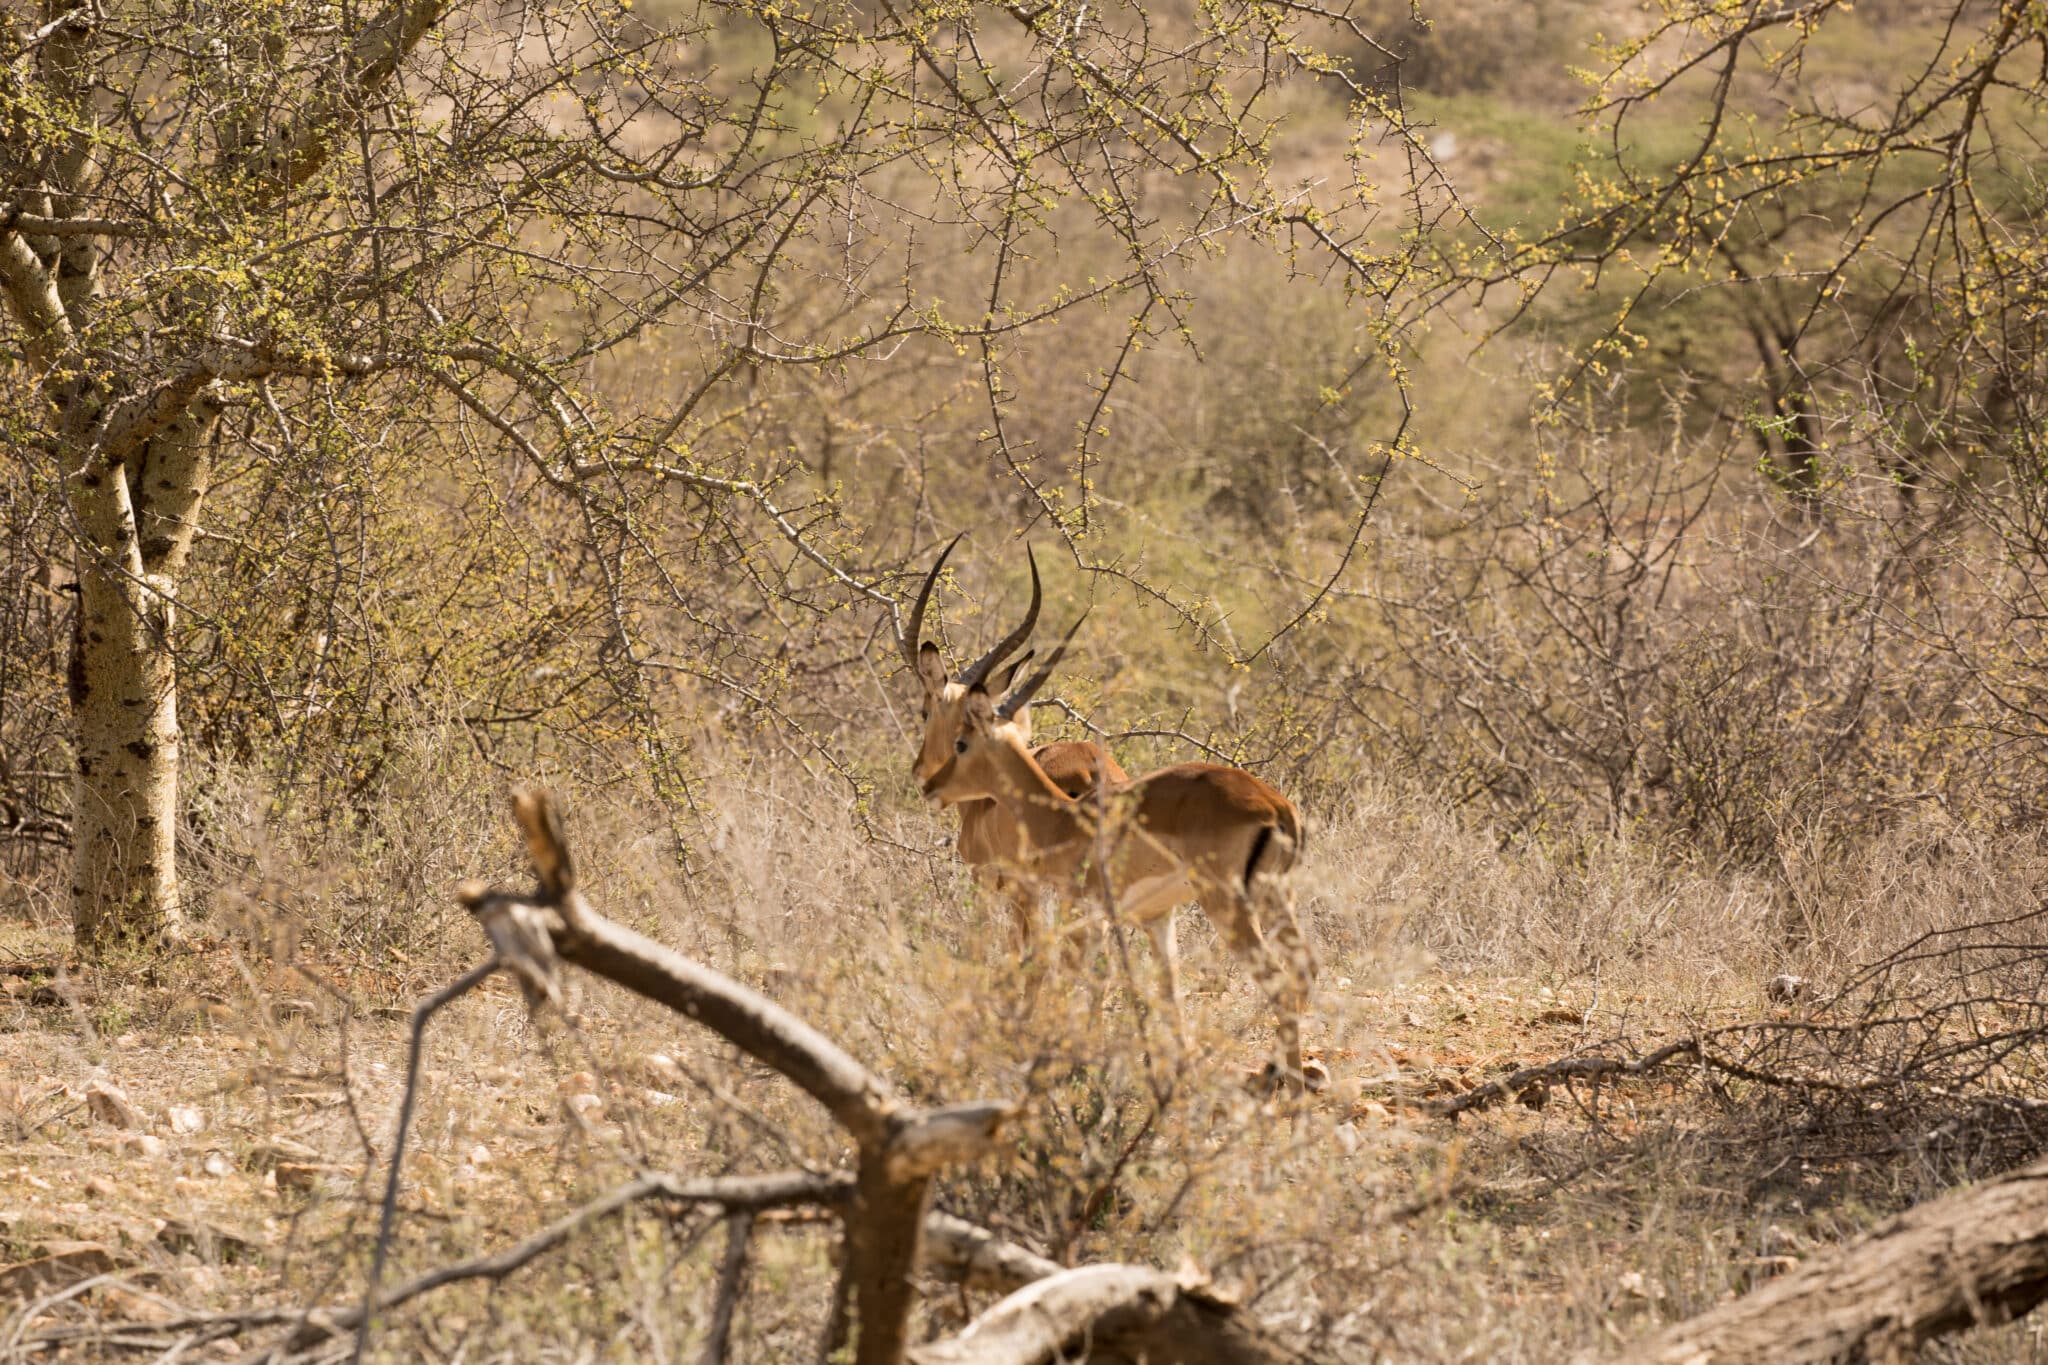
(932, 781)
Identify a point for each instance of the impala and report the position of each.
(1196, 831)
(990, 842)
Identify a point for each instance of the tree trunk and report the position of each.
(124, 709)
(136, 517)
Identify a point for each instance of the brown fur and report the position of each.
(1201, 829)
(992, 844)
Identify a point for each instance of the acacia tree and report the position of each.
(236, 233)
(1832, 268)
(1876, 242)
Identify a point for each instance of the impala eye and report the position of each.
(960, 745)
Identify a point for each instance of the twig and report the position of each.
(739, 1227)
(426, 1010)
(750, 1193)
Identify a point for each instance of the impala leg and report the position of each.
(1237, 920)
(1022, 893)
(1154, 909)
(1297, 970)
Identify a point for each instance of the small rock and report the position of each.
(97, 1187)
(664, 1067)
(1315, 1077)
(585, 1105)
(301, 1175)
(216, 1164)
(479, 1155)
(185, 1119)
(128, 1144)
(277, 1148)
(1347, 1138)
(107, 1104)
(1632, 1283)
(660, 1099)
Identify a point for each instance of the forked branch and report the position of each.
(901, 1147)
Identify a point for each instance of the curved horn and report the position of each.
(913, 631)
(977, 672)
(1023, 691)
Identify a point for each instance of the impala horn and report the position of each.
(913, 631)
(1023, 691)
(976, 673)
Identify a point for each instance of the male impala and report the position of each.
(991, 843)
(1191, 831)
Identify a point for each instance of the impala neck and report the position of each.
(1049, 815)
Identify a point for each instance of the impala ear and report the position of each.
(1020, 721)
(980, 712)
(1000, 680)
(931, 670)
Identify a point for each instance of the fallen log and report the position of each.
(1973, 1258)
(1111, 1313)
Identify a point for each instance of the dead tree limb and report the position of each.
(1111, 1313)
(732, 1276)
(1972, 1258)
(961, 1253)
(901, 1147)
(1565, 1068)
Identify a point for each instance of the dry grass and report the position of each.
(1365, 1227)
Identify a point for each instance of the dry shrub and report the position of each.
(1636, 638)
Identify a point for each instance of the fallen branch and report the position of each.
(1565, 1068)
(1111, 1313)
(900, 1146)
(960, 1252)
(421, 1016)
(1973, 1258)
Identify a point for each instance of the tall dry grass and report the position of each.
(1361, 1227)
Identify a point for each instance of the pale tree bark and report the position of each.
(133, 444)
(136, 520)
